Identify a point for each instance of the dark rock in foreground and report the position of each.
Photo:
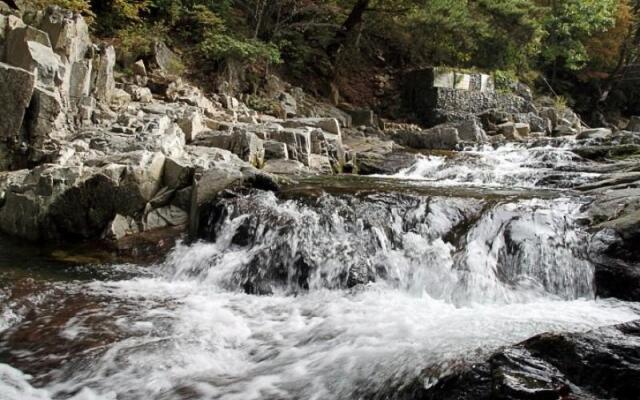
(600, 364)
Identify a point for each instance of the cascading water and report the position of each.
(511, 165)
(318, 296)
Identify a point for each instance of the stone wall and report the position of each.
(435, 96)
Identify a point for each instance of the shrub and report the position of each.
(218, 47)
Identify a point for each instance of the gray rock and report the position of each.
(206, 186)
(514, 131)
(177, 173)
(46, 124)
(15, 96)
(363, 117)
(634, 124)
(140, 94)
(522, 129)
(182, 198)
(165, 217)
(119, 99)
(80, 81)
(164, 59)
(141, 179)
(289, 105)
(564, 130)
(285, 167)
(139, 68)
(162, 198)
(330, 125)
(21, 216)
(470, 131)
(320, 164)
(598, 133)
(275, 150)
(191, 123)
(17, 38)
(120, 227)
(298, 143)
(244, 144)
(68, 32)
(438, 138)
(32, 54)
(103, 82)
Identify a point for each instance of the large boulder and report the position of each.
(470, 131)
(17, 89)
(165, 59)
(45, 125)
(286, 167)
(298, 141)
(600, 364)
(438, 138)
(240, 142)
(29, 48)
(330, 125)
(598, 133)
(103, 82)
(206, 186)
(68, 32)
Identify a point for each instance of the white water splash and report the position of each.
(511, 165)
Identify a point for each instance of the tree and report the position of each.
(569, 24)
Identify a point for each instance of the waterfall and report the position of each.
(322, 295)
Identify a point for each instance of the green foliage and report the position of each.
(218, 47)
(504, 80)
(80, 6)
(569, 23)
(137, 41)
(114, 15)
(265, 105)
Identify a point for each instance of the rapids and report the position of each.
(320, 294)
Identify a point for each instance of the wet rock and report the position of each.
(604, 363)
(206, 186)
(370, 163)
(514, 131)
(599, 133)
(601, 152)
(564, 130)
(634, 124)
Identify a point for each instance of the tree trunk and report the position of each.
(353, 20)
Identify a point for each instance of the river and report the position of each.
(335, 288)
